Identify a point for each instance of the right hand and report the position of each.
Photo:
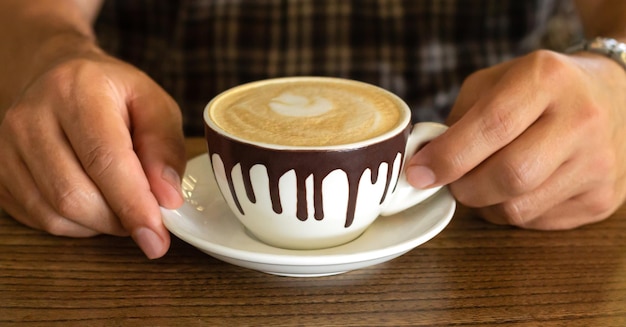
(536, 142)
(92, 146)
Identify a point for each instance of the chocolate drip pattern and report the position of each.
(306, 163)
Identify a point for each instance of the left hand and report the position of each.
(537, 142)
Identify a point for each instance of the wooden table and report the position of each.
(473, 273)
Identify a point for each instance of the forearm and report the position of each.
(605, 18)
(34, 34)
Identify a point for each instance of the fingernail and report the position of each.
(171, 176)
(149, 242)
(420, 176)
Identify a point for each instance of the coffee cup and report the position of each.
(312, 162)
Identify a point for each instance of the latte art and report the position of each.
(289, 104)
(307, 112)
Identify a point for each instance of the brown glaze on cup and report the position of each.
(305, 163)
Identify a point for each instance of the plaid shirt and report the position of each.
(419, 49)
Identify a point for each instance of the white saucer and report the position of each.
(206, 222)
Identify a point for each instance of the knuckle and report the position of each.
(516, 177)
(98, 160)
(49, 221)
(56, 226)
(606, 164)
(497, 126)
(550, 66)
(591, 114)
(516, 214)
(16, 121)
(603, 203)
(70, 203)
(591, 117)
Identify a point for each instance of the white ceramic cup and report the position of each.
(312, 197)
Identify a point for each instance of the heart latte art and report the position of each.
(308, 112)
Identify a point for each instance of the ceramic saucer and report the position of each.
(206, 222)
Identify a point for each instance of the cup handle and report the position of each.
(405, 195)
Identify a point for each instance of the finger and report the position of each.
(106, 153)
(159, 144)
(520, 167)
(584, 209)
(62, 182)
(26, 205)
(519, 211)
(574, 212)
(573, 180)
(52, 223)
(491, 123)
(37, 165)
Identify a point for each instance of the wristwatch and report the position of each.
(602, 45)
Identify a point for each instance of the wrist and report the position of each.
(35, 35)
(45, 55)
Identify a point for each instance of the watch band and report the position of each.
(602, 45)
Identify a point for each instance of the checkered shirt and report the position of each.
(419, 49)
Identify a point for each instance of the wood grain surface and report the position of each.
(472, 274)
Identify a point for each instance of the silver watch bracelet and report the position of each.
(609, 47)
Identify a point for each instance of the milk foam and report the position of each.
(307, 113)
(293, 105)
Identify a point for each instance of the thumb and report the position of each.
(419, 172)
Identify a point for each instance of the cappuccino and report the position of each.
(310, 162)
(307, 111)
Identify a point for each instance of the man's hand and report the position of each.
(538, 142)
(92, 145)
